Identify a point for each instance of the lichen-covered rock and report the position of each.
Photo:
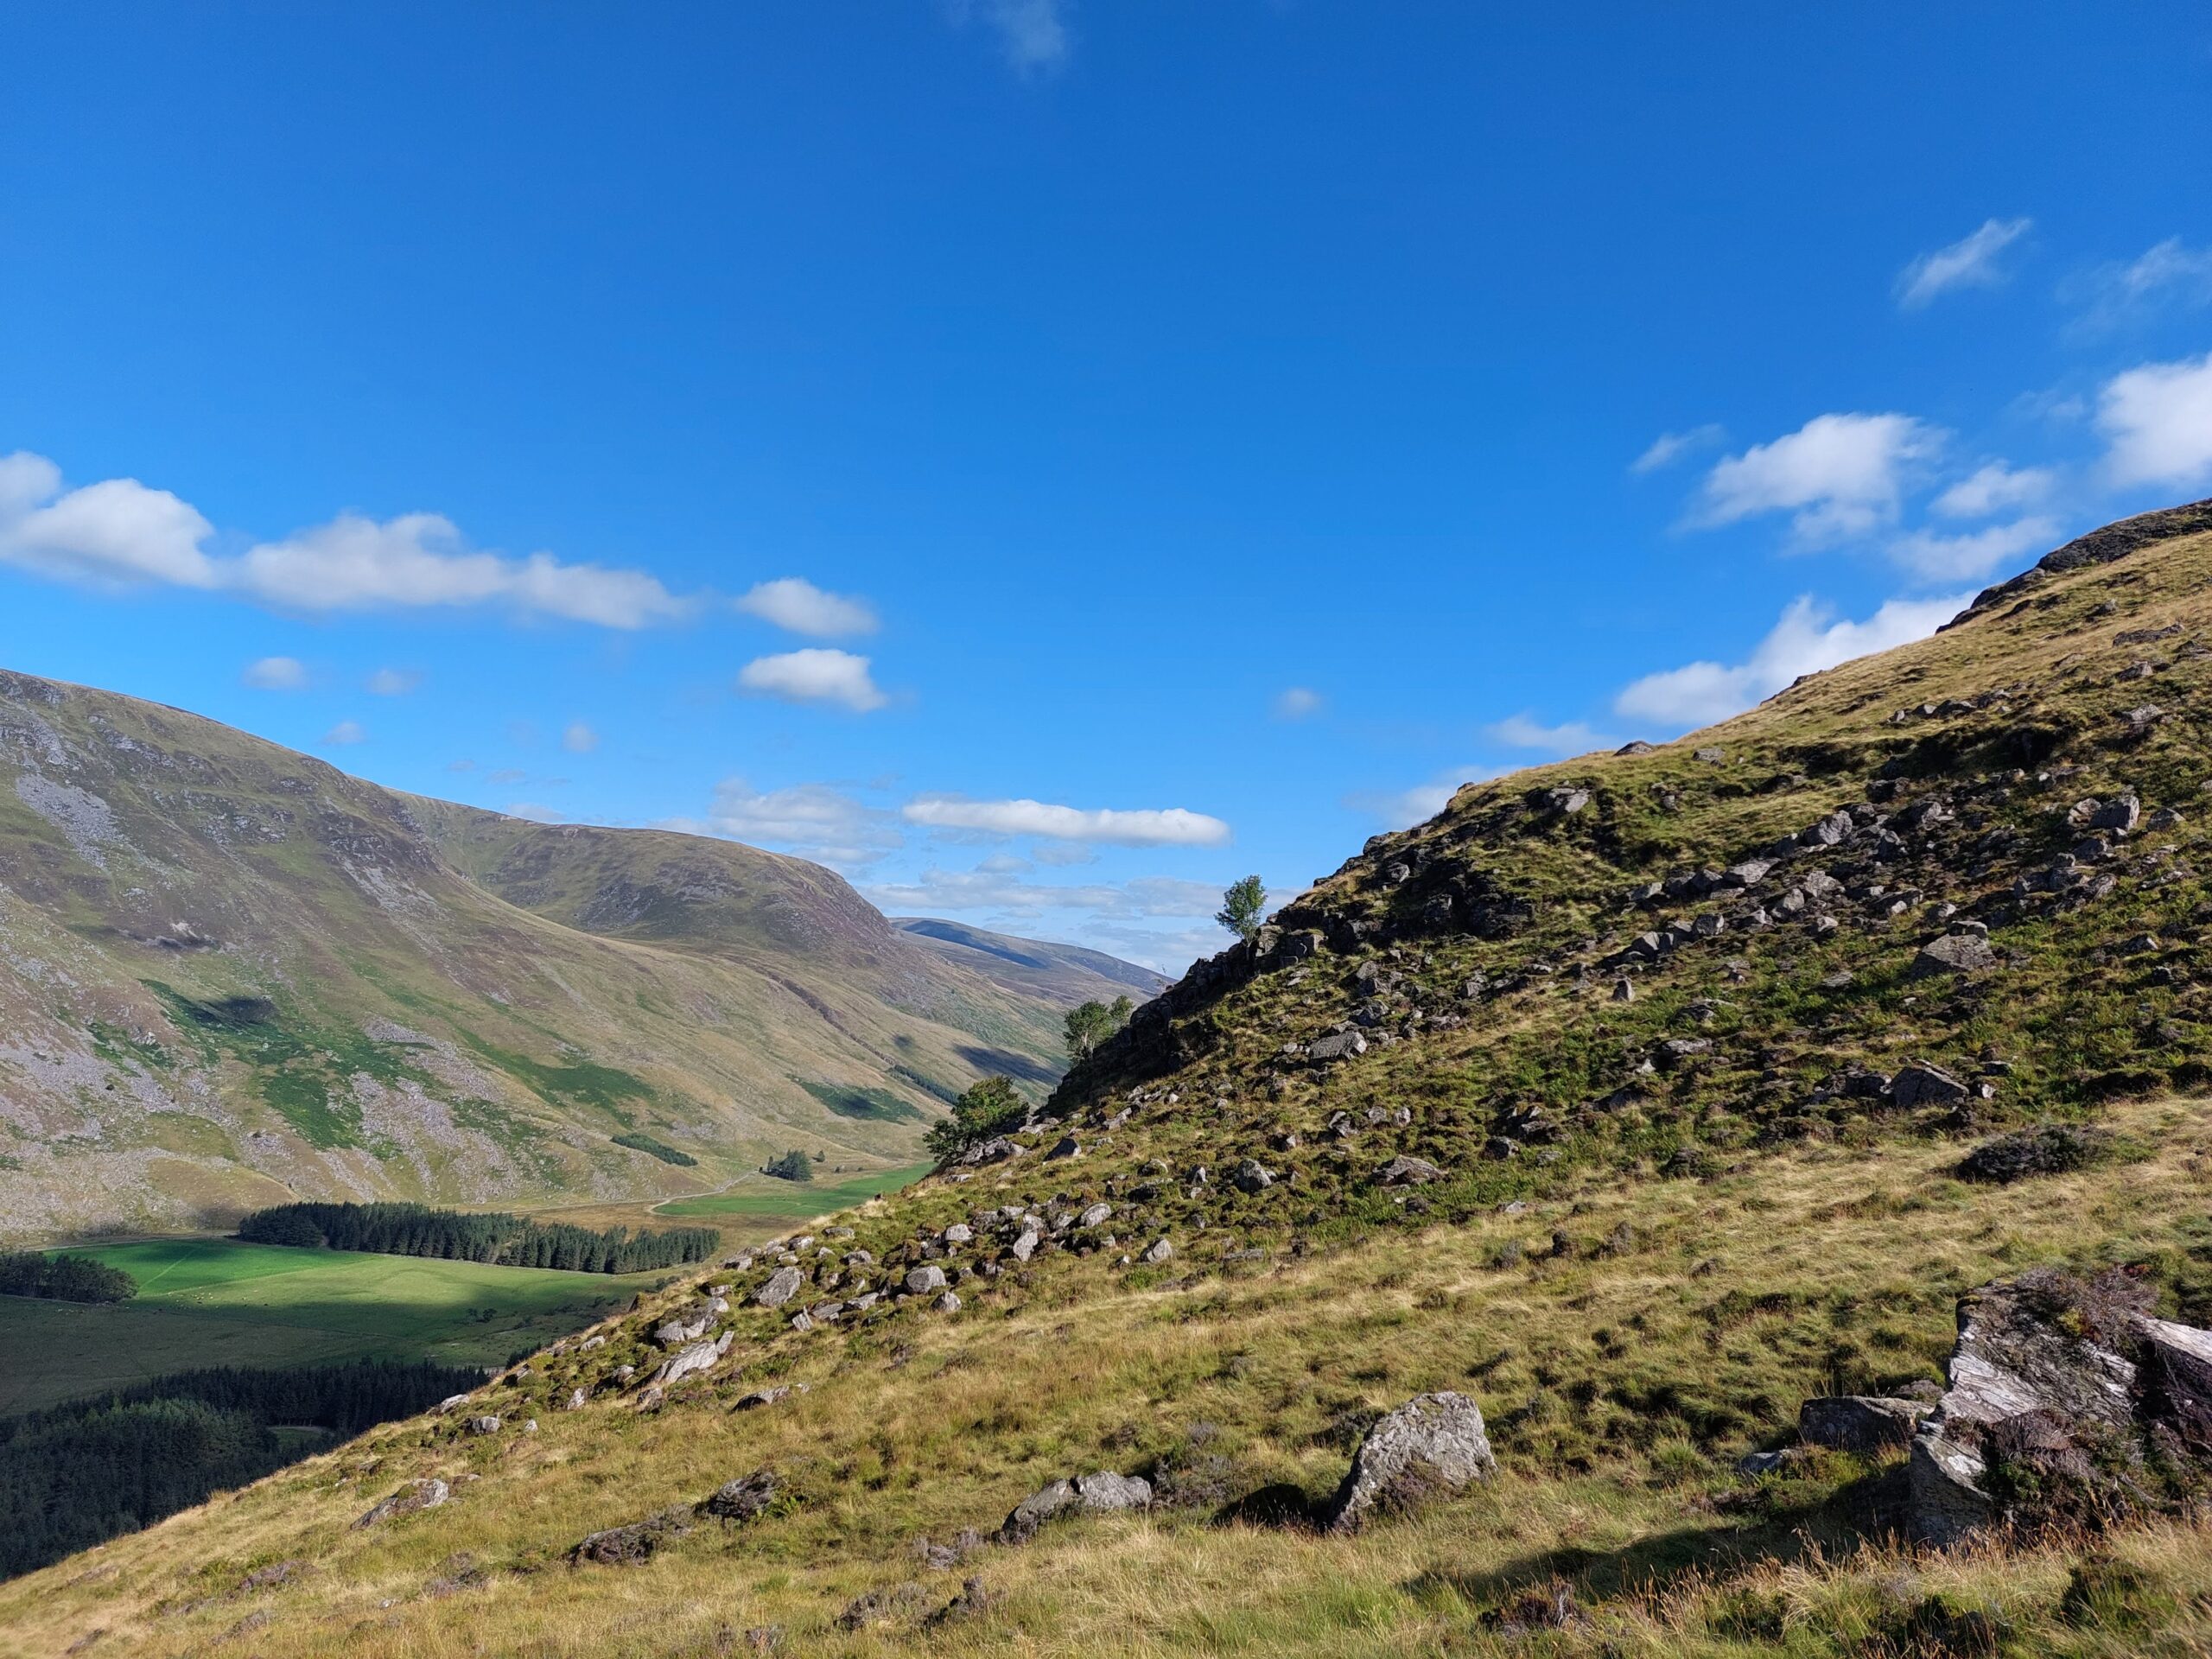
(1403, 1171)
(1101, 1493)
(414, 1495)
(1953, 953)
(746, 1498)
(1433, 1446)
(631, 1545)
(782, 1286)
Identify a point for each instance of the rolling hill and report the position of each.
(1728, 1121)
(230, 972)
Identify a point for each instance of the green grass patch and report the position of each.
(758, 1195)
(638, 1141)
(213, 1301)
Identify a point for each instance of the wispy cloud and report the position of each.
(798, 607)
(1808, 638)
(1171, 826)
(394, 681)
(578, 738)
(1970, 261)
(938, 890)
(1670, 447)
(2169, 274)
(1033, 34)
(1934, 557)
(818, 674)
(1401, 809)
(818, 820)
(1525, 731)
(1297, 702)
(344, 733)
(119, 533)
(276, 674)
(1993, 489)
(2156, 420)
(1838, 475)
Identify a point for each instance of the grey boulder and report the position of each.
(1432, 1447)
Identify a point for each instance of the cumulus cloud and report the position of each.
(1841, 475)
(1523, 731)
(815, 675)
(1402, 808)
(2156, 420)
(1297, 702)
(119, 533)
(798, 607)
(1970, 261)
(276, 674)
(1993, 489)
(1808, 638)
(394, 681)
(346, 732)
(815, 819)
(2171, 273)
(1171, 826)
(1969, 556)
(579, 739)
(1033, 33)
(1670, 447)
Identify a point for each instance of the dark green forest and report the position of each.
(88, 1469)
(63, 1278)
(491, 1236)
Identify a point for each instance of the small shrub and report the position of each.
(2052, 1149)
(2107, 1595)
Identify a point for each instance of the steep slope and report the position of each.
(1060, 973)
(228, 972)
(1637, 1097)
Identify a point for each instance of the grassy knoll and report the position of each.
(764, 1197)
(1624, 1375)
(213, 1301)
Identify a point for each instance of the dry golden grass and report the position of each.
(1748, 1287)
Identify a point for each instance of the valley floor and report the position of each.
(1627, 1345)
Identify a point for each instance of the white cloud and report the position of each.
(1033, 33)
(1171, 826)
(276, 674)
(2170, 271)
(1971, 262)
(579, 739)
(460, 765)
(1297, 702)
(116, 533)
(936, 891)
(1972, 555)
(394, 681)
(814, 819)
(505, 775)
(1523, 731)
(799, 606)
(1402, 808)
(815, 675)
(535, 811)
(345, 732)
(1841, 475)
(1994, 488)
(120, 533)
(1807, 640)
(1670, 447)
(2157, 419)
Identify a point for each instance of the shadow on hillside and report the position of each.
(1005, 1063)
(1862, 1510)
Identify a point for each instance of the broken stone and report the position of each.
(1432, 1447)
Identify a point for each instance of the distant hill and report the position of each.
(1053, 973)
(230, 973)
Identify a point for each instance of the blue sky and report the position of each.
(1049, 458)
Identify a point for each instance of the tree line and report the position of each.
(63, 1278)
(88, 1469)
(491, 1236)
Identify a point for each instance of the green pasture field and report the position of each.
(764, 1195)
(217, 1301)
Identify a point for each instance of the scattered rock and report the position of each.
(923, 1280)
(1100, 1493)
(414, 1495)
(1252, 1176)
(1953, 953)
(782, 1286)
(746, 1498)
(760, 1398)
(633, 1544)
(1433, 1446)
(1341, 1046)
(1403, 1171)
(1160, 1250)
(1921, 1084)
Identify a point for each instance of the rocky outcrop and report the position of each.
(416, 1494)
(1859, 1422)
(1102, 1493)
(1433, 1446)
(2069, 1405)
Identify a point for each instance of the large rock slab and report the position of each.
(1953, 953)
(782, 1286)
(1433, 1446)
(1102, 1493)
(1859, 1422)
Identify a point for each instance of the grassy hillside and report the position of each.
(1636, 1098)
(1065, 974)
(229, 973)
